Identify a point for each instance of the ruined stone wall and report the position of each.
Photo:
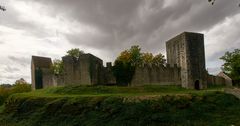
(156, 75)
(109, 78)
(69, 68)
(95, 69)
(187, 51)
(87, 70)
(58, 81)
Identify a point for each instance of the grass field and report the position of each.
(134, 106)
(75, 91)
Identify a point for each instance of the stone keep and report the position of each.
(42, 76)
(187, 51)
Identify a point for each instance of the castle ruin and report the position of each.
(185, 66)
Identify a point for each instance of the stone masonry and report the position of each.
(87, 70)
(187, 51)
(185, 66)
(41, 72)
(156, 75)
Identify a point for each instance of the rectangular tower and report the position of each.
(187, 51)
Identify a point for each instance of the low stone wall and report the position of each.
(156, 75)
(216, 80)
(58, 81)
(235, 92)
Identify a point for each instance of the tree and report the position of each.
(21, 86)
(57, 67)
(2, 8)
(135, 55)
(75, 53)
(124, 65)
(213, 1)
(20, 81)
(128, 60)
(147, 58)
(231, 64)
(4, 93)
(159, 60)
(132, 56)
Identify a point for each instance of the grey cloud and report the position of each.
(11, 69)
(11, 18)
(123, 22)
(13, 77)
(213, 70)
(23, 61)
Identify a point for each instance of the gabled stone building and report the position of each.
(42, 76)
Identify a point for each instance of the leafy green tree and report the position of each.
(20, 81)
(159, 60)
(57, 67)
(128, 60)
(147, 58)
(231, 64)
(4, 93)
(123, 72)
(21, 86)
(135, 55)
(75, 53)
(124, 65)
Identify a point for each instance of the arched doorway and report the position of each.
(197, 85)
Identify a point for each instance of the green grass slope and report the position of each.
(149, 105)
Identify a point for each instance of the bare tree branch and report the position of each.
(2, 8)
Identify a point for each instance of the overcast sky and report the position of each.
(106, 27)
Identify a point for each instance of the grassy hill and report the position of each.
(148, 105)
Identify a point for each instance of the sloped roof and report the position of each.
(43, 62)
(221, 74)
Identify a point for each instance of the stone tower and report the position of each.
(187, 51)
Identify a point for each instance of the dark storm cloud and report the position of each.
(23, 61)
(12, 18)
(148, 23)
